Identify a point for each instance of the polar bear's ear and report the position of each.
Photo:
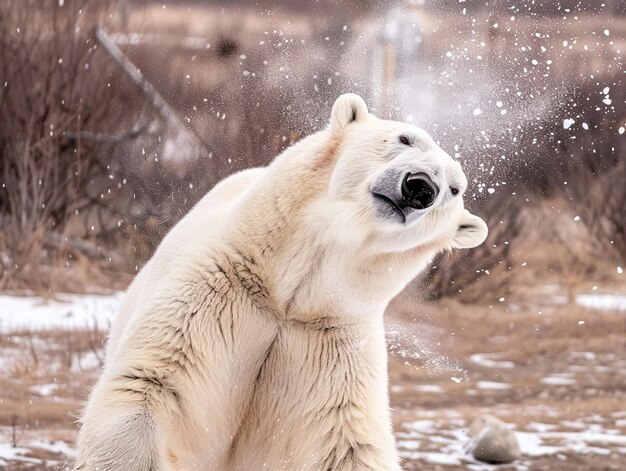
(472, 232)
(348, 108)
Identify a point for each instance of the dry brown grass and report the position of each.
(535, 328)
(65, 360)
(539, 345)
(444, 334)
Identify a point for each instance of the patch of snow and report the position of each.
(433, 457)
(597, 437)
(71, 311)
(540, 427)
(530, 444)
(429, 388)
(573, 424)
(8, 453)
(602, 302)
(421, 425)
(583, 355)
(59, 446)
(482, 359)
(492, 385)
(45, 389)
(408, 444)
(450, 444)
(87, 361)
(564, 379)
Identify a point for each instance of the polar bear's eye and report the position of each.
(405, 140)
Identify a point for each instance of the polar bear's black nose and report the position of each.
(419, 191)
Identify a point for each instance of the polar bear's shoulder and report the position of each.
(204, 222)
(212, 210)
(222, 197)
(198, 226)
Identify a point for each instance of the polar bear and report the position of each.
(253, 339)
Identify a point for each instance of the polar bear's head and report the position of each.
(349, 215)
(392, 180)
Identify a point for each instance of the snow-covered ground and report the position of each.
(19, 454)
(603, 302)
(68, 311)
(47, 361)
(488, 360)
(444, 441)
(437, 440)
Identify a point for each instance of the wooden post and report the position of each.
(389, 79)
(185, 136)
(162, 107)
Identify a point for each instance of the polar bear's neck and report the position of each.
(310, 270)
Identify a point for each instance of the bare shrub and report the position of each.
(605, 213)
(96, 341)
(114, 179)
(598, 200)
(91, 172)
(32, 349)
(593, 173)
(55, 91)
(14, 426)
(464, 274)
(245, 122)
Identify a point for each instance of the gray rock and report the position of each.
(492, 441)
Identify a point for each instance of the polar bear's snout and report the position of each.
(403, 193)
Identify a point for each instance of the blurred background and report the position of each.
(117, 116)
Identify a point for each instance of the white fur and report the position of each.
(254, 339)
